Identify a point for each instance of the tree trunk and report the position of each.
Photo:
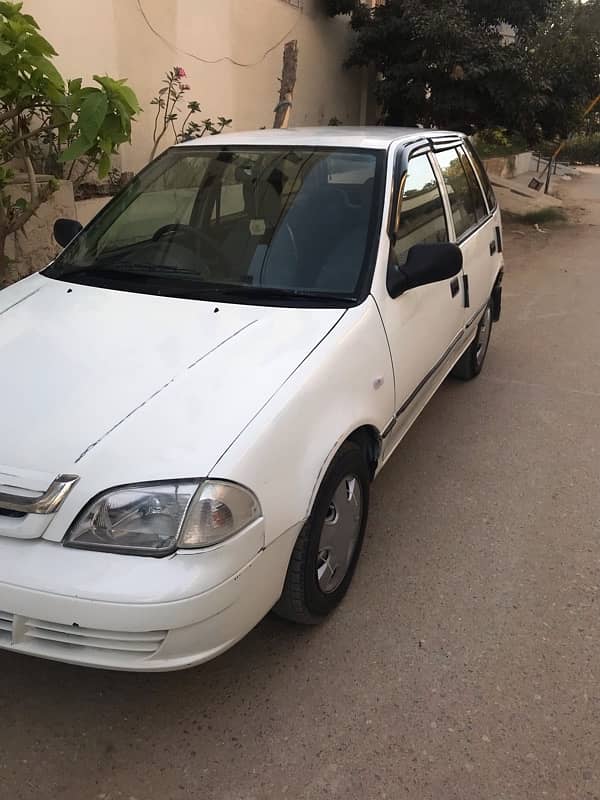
(8, 270)
(283, 109)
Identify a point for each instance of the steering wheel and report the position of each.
(190, 238)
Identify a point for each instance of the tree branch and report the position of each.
(3, 220)
(156, 144)
(6, 116)
(24, 137)
(88, 169)
(33, 184)
(185, 122)
(43, 194)
(156, 121)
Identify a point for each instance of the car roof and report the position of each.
(373, 138)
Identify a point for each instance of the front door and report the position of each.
(424, 325)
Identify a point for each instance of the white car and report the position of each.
(199, 390)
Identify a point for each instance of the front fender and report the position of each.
(345, 384)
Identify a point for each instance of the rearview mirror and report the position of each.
(65, 230)
(425, 263)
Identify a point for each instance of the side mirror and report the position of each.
(425, 263)
(65, 230)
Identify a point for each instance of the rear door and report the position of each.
(476, 225)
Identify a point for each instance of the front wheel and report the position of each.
(328, 548)
(471, 362)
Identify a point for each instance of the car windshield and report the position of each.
(269, 225)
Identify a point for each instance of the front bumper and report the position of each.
(128, 635)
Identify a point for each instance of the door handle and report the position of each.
(493, 247)
(454, 287)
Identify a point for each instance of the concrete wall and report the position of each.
(34, 247)
(86, 210)
(509, 166)
(112, 37)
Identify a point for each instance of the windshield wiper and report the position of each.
(126, 270)
(273, 293)
(193, 284)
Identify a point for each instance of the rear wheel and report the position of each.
(471, 363)
(328, 548)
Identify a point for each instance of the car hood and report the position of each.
(119, 387)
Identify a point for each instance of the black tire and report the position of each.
(472, 361)
(303, 600)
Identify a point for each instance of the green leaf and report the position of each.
(39, 46)
(129, 97)
(112, 126)
(107, 83)
(92, 115)
(79, 148)
(5, 48)
(10, 9)
(123, 112)
(31, 21)
(48, 69)
(118, 90)
(104, 165)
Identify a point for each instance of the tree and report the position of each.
(168, 109)
(444, 63)
(519, 13)
(42, 117)
(564, 52)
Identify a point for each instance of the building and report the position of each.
(231, 51)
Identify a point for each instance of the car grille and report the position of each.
(53, 638)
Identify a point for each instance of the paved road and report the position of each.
(464, 664)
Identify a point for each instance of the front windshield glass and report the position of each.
(249, 225)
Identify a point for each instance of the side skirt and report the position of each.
(416, 402)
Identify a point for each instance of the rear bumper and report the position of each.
(143, 636)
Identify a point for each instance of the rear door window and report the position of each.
(422, 217)
(478, 198)
(466, 200)
(482, 174)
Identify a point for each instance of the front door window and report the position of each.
(422, 217)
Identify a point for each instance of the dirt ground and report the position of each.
(464, 663)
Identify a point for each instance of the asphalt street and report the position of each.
(463, 664)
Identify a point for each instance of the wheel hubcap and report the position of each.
(483, 336)
(339, 534)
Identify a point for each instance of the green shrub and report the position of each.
(498, 142)
(543, 216)
(44, 118)
(582, 149)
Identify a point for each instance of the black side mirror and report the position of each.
(425, 263)
(65, 230)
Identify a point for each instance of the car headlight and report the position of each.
(156, 519)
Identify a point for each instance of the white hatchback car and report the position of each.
(200, 389)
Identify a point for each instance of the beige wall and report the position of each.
(111, 37)
(34, 247)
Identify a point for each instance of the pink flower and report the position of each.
(180, 73)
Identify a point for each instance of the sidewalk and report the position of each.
(515, 196)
